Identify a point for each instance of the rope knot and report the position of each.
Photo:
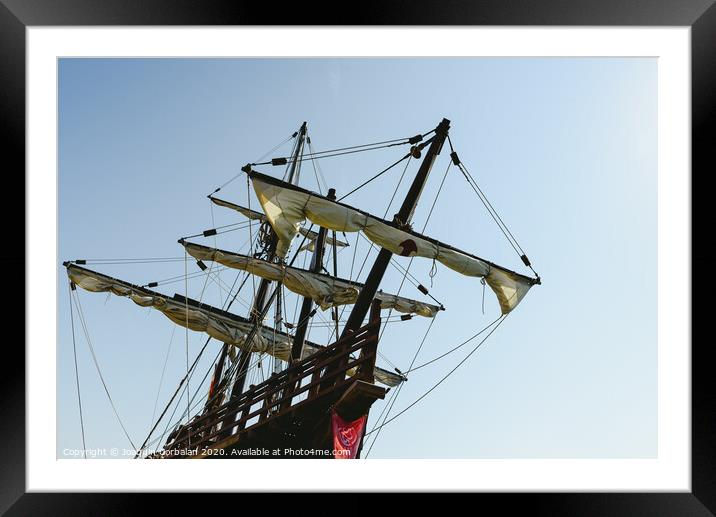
(433, 272)
(402, 225)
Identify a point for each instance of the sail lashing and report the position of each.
(286, 207)
(222, 326)
(325, 290)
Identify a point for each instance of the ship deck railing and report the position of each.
(325, 374)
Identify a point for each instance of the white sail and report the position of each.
(310, 235)
(222, 327)
(287, 207)
(246, 212)
(325, 290)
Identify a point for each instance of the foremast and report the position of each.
(258, 307)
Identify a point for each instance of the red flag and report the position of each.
(346, 436)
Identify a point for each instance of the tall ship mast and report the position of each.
(318, 395)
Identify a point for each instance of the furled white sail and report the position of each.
(246, 212)
(222, 327)
(310, 235)
(325, 290)
(287, 206)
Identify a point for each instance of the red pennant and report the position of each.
(346, 436)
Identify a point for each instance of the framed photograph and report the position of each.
(452, 247)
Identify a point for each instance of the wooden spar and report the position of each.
(362, 304)
(292, 178)
(260, 298)
(316, 266)
(335, 274)
(277, 317)
(217, 375)
(363, 368)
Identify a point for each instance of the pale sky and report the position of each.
(565, 149)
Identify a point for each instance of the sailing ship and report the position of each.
(318, 396)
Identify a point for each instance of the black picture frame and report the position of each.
(700, 15)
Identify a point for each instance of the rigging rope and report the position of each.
(177, 278)
(164, 369)
(211, 365)
(214, 231)
(259, 159)
(180, 278)
(335, 152)
(225, 290)
(171, 423)
(288, 165)
(400, 181)
(431, 361)
(83, 323)
(181, 383)
(299, 164)
(213, 225)
(191, 369)
(353, 260)
(374, 177)
(410, 277)
(250, 335)
(400, 388)
(251, 232)
(491, 210)
(186, 333)
(129, 260)
(379, 427)
(359, 235)
(440, 381)
(356, 146)
(77, 374)
(317, 167)
(350, 277)
(186, 305)
(415, 281)
(433, 271)
(395, 264)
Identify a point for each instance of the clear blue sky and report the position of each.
(565, 148)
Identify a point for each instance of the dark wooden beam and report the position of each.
(316, 267)
(360, 309)
(335, 274)
(260, 299)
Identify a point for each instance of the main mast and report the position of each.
(362, 304)
(367, 293)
